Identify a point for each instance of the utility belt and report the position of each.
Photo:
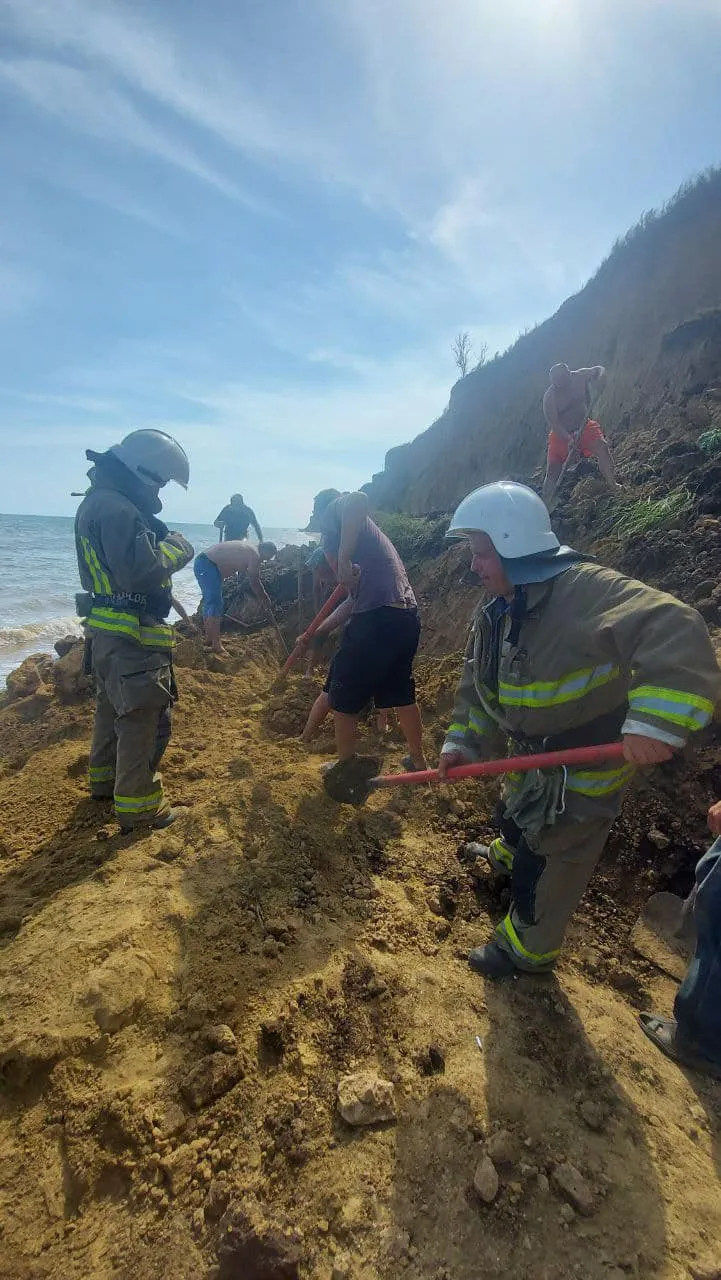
(156, 603)
(605, 728)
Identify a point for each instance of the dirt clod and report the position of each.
(210, 1079)
(221, 1037)
(365, 1099)
(572, 1185)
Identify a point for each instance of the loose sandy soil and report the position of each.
(328, 940)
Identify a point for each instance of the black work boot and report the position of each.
(492, 961)
(162, 821)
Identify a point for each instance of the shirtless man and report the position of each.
(565, 408)
(224, 560)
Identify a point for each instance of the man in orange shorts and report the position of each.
(566, 407)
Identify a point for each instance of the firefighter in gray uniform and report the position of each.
(126, 557)
(564, 653)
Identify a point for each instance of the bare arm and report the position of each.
(255, 583)
(179, 609)
(355, 513)
(337, 618)
(596, 373)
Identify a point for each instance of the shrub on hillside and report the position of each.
(413, 536)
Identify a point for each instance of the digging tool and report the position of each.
(664, 934)
(333, 600)
(279, 633)
(352, 781)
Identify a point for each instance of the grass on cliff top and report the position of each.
(414, 537)
(647, 514)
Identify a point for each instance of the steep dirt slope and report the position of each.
(649, 314)
(324, 940)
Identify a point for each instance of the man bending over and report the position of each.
(225, 560)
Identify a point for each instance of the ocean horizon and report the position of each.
(40, 579)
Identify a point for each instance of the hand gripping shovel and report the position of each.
(353, 781)
(331, 603)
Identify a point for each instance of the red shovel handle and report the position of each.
(590, 756)
(330, 604)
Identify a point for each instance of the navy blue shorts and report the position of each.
(210, 582)
(375, 661)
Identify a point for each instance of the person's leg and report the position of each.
(212, 636)
(697, 1008)
(139, 798)
(140, 686)
(103, 747)
(209, 580)
(399, 636)
(318, 713)
(351, 679)
(162, 737)
(550, 483)
(600, 451)
(547, 884)
(346, 734)
(409, 719)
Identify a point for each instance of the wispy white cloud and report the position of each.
(87, 404)
(83, 101)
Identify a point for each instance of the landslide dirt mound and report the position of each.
(180, 1007)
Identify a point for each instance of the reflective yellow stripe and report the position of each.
(598, 782)
(137, 804)
(506, 931)
(91, 565)
(457, 728)
(101, 772)
(101, 581)
(553, 693)
(172, 554)
(686, 709)
(116, 623)
(478, 721)
(502, 852)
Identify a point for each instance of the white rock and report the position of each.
(485, 1180)
(364, 1098)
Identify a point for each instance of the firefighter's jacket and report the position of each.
(581, 660)
(126, 558)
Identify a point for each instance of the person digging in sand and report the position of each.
(321, 708)
(382, 631)
(692, 1038)
(573, 432)
(225, 560)
(565, 654)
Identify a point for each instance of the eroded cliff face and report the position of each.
(642, 315)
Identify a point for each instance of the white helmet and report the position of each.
(513, 516)
(154, 457)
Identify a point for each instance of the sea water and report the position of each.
(39, 579)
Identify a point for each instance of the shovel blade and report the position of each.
(349, 782)
(662, 934)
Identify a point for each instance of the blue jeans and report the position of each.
(698, 1003)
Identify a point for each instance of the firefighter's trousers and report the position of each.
(134, 693)
(548, 880)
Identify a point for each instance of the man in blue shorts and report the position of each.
(224, 560)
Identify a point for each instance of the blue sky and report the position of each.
(260, 223)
